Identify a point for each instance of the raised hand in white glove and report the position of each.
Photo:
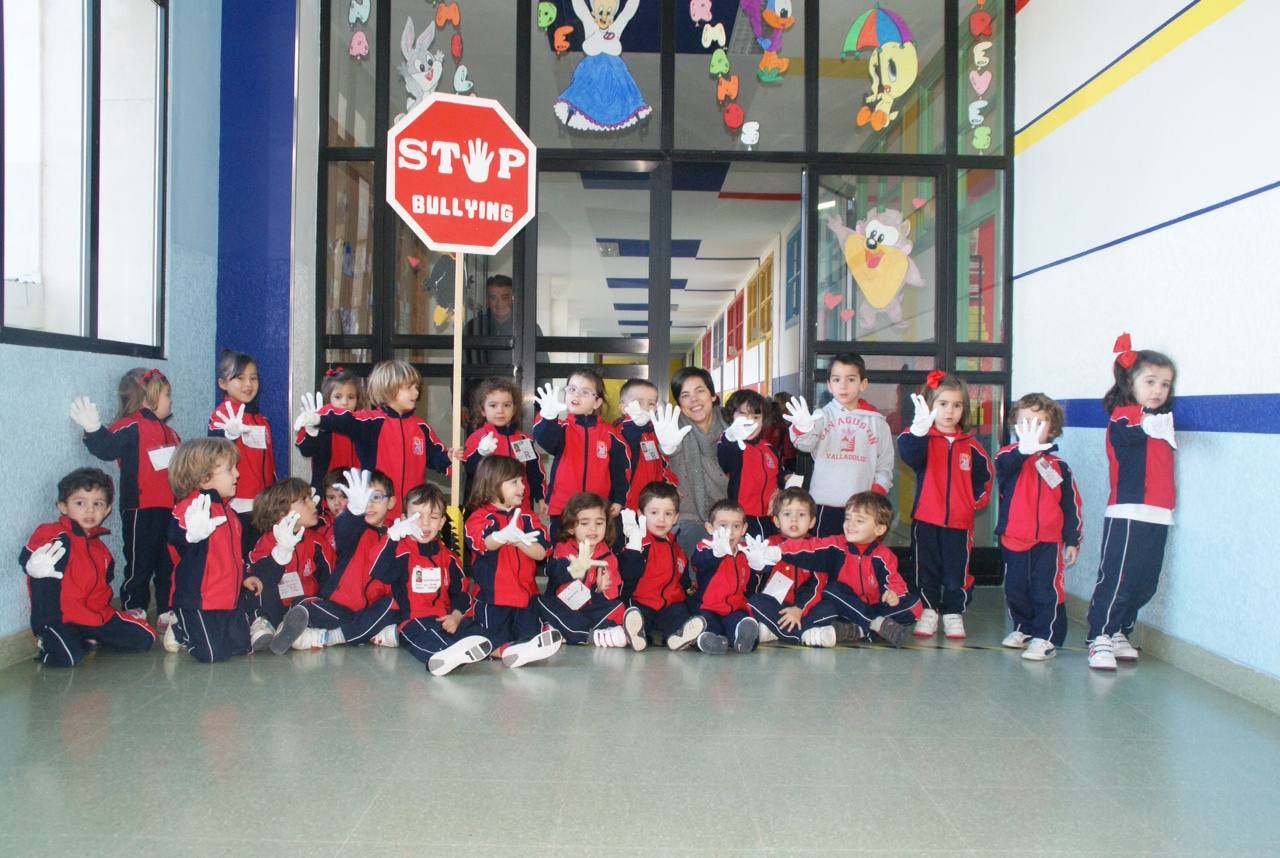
(403, 527)
(720, 544)
(230, 420)
(550, 401)
(309, 417)
(85, 414)
(922, 422)
(43, 561)
(739, 430)
(582, 563)
(666, 426)
(1160, 427)
(487, 444)
(513, 535)
(801, 418)
(634, 528)
(636, 412)
(287, 535)
(357, 490)
(199, 525)
(1027, 433)
(756, 551)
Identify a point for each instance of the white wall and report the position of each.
(1189, 131)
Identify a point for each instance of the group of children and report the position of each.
(364, 552)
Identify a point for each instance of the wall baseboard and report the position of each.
(17, 647)
(1244, 682)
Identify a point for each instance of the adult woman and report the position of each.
(702, 483)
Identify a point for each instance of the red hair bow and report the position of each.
(934, 379)
(151, 373)
(332, 371)
(1125, 355)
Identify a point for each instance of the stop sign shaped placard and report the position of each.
(461, 173)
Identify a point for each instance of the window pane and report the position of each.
(986, 419)
(979, 364)
(884, 363)
(347, 357)
(353, 56)
(425, 286)
(876, 258)
(44, 166)
(980, 267)
(129, 207)
(882, 78)
(349, 251)
(601, 94)
(982, 77)
(768, 80)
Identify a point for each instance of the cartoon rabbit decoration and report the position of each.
(422, 67)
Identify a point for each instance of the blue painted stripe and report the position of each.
(640, 283)
(1252, 413)
(625, 307)
(1179, 219)
(684, 248)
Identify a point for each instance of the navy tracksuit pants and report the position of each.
(1132, 554)
(830, 522)
(63, 644)
(269, 605)
(212, 636)
(768, 612)
(940, 567)
(146, 558)
(726, 624)
(1035, 591)
(504, 624)
(577, 626)
(425, 637)
(357, 626)
(666, 622)
(840, 598)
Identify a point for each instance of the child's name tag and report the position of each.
(575, 595)
(290, 585)
(649, 450)
(1047, 473)
(160, 458)
(425, 579)
(795, 481)
(524, 450)
(255, 437)
(778, 587)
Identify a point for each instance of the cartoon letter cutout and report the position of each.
(727, 87)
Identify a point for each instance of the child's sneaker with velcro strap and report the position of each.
(1039, 650)
(1101, 654)
(1124, 650)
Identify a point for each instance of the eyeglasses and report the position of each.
(377, 497)
(573, 390)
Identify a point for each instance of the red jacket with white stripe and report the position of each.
(1031, 510)
(402, 446)
(559, 577)
(327, 450)
(257, 463)
(83, 595)
(722, 581)
(656, 576)
(363, 552)
(754, 473)
(588, 455)
(953, 477)
(505, 575)
(648, 464)
(131, 441)
(509, 439)
(428, 581)
(805, 588)
(868, 570)
(1141, 466)
(207, 575)
(312, 561)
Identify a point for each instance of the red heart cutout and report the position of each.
(918, 203)
(846, 314)
(832, 300)
(413, 261)
(980, 23)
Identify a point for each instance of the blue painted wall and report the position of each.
(255, 145)
(46, 445)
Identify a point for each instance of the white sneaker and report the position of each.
(260, 634)
(953, 626)
(611, 637)
(927, 625)
(543, 645)
(1015, 640)
(469, 650)
(766, 634)
(1124, 650)
(633, 625)
(1101, 654)
(170, 639)
(1039, 650)
(821, 636)
(165, 620)
(688, 635)
(387, 637)
(139, 614)
(312, 639)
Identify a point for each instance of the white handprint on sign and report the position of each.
(477, 160)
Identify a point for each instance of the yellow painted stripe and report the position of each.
(1176, 32)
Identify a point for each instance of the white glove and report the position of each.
(739, 430)
(923, 420)
(487, 444)
(197, 521)
(720, 545)
(357, 490)
(666, 426)
(1027, 432)
(42, 562)
(85, 413)
(512, 534)
(1160, 427)
(582, 563)
(636, 412)
(315, 499)
(230, 421)
(634, 528)
(403, 527)
(754, 549)
(801, 418)
(550, 401)
(309, 418)
(287, 535)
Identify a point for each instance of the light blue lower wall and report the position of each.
(38, 441)
(1219, 587)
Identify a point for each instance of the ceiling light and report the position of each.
(829, 204)
(608, 249)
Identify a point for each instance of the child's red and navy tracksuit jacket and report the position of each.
(602, 610)
(657, 576)
(312, 562)
(257, 464)
(130, 441)
(722, 581)
(327, 450)
(804, 589)
(208, 575)
(1032, 511)
(953, 477)
(505, 576)
(428, 581)
(357, 582)
(509, 438)
(648, 464)
(402, 446)
(1141, 468)
(588, 455)
(868, 571)
(755, 474)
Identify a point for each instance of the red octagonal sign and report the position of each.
(461, 173)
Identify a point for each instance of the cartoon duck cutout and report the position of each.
(765, 16)
(878, 254)
(893, 62)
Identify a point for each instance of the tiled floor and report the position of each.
(359, 752)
